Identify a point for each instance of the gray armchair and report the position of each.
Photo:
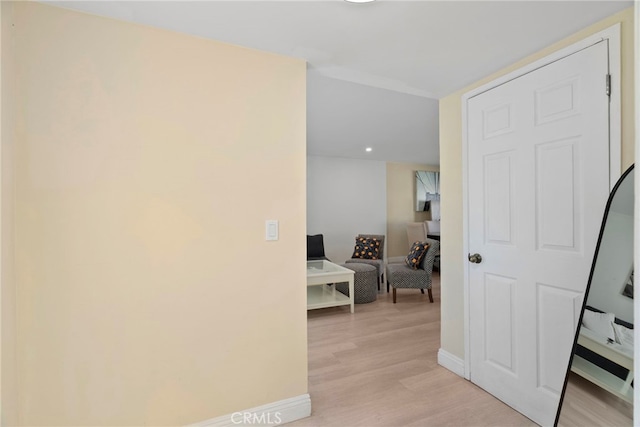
(378, 263)
(402, 276)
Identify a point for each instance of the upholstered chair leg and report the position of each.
(387, 286)
(430, 295)
(394, 295)
(421, 290)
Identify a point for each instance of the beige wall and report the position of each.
(452, 331)
(401, 201)
(146, 165)
(8, 362)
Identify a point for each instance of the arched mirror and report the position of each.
(598, 388)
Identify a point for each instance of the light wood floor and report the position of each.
(586, 404)
(378, 367)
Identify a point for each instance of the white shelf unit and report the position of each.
(601, 377)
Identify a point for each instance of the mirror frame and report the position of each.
(586, 292)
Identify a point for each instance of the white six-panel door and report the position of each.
(538, 181)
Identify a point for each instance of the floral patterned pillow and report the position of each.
(366, 248)
(418, 251)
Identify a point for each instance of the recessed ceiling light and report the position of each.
(359, 1)
(368, 149)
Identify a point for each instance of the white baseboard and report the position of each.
(271, 414)
(451, 362)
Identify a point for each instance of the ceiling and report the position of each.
(422, 50)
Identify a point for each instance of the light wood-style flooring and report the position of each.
(378, 367)
(587, 405)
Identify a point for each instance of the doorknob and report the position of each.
(475, 258)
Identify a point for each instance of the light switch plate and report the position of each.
(271, 227)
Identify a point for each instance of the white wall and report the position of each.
(345, 197)
(615, 260)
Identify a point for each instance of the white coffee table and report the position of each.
(319, 295)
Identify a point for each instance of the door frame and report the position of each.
(612, 34)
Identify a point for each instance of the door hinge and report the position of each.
(608, 86)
